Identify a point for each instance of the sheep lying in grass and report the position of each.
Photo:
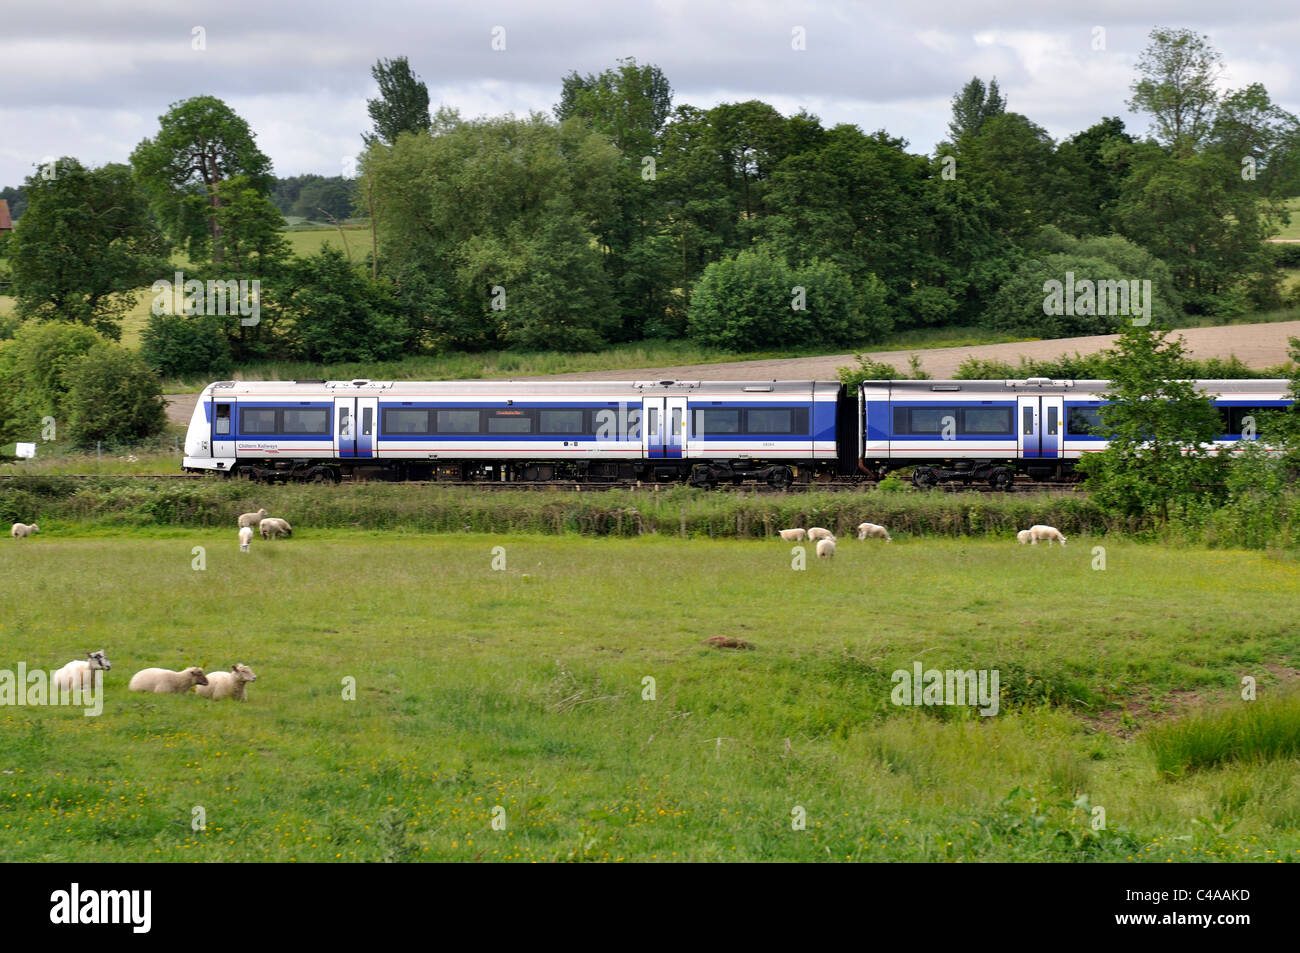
(1048, 533)
(275, 526)
(82, 672)
(793, 535)
(818, 533)
(245, 538)
(874, 531)
(163, 681)
(825, 548)
(232, 684)
(23, 530)
(249, 519)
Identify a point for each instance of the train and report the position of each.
(704, 433)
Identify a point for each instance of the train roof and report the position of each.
(1044, 385)
(526, 388)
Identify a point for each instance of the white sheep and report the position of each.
(793, 535)
(245, 538)
(248, 519)
(82, 672)
(818, 533)
(1024, 536)
(874, 531)
(23, 530)
(825, 548)
(273, 525)
(163, 681)
(1049, 533)
(232, 684)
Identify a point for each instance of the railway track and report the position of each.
(1067, 489)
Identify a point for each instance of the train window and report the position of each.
(634, 423)
(1052, 421)
(510, 421)
(677, 422)
(652, 421)
(257, 420)
(223, 418)
(396, 422)
(776, 420)
(306, 420)
(986, 420)
(716, 420)
(367, 421)
(922, 420)
(458, 421)
(1082, 421)
(560, 421)
(1028, 421)
(345, 421)
(1234, 418)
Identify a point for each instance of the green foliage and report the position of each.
(36, 370)
(85, 244)
(1176, 86)
(974, 106)
(315, 197)
(113, 396)
(1256, 731)
(177, 344)
(403, 103)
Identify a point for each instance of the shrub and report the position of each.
(175, 345)
(113, 396)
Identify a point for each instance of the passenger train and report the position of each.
(704, 432)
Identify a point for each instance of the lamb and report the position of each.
(1049, 533)
(874, 531)
(818, 533)
(248, 519)
(23, 530)
(162, 681)
(245, 538)
(1024, 536)
(825, 548)
(82, 672)
(232, 684)
(273, 525)
(793, 535)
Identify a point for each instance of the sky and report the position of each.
(90, 79)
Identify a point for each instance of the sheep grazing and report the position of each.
(245, 538)
(249, 519)
(1024, 536)
(82, 672)
(793, 535)
(23, 530)
(825, 548)
(163, 681)
(874, 531)
(1048, 533)
(818, 533)
(232, 684)
(275, 526)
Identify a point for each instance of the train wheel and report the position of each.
(779, 478)
(1001, 479)
(323, 475)
(924, 478)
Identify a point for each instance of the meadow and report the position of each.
(511, 685)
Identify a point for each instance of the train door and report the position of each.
(675, 427)
(345, 430)
(652, 427)
(1041, 420)
(223, 428)
(367, 426)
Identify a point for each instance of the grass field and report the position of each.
(520, 693)
(1291, 230)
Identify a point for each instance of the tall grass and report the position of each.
(1245, 731)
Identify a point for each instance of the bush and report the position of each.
(113, 396)
(1285, 254)
(175, 345)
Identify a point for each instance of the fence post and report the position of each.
(99, 451)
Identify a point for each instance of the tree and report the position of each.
(113, 396)
(35, 370)
(339, 314)
(1261, 137)
(1090, 171)
(403, 103)
(974, 106)
(1176, 85)
(85, 244)
(1157, 425)
(201, 144)
(175, 345)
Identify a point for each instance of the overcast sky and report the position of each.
(90, 79)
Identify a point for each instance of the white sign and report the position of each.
(25, 450)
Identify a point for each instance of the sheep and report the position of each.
(82, 672)
(1049, 533)
(232, 684)
(277, 526)
(818, 533)
(825, 548)
(875, 531)
(245, 538)
(23, 530)
(793, 535)
(1024, 536)
(248, 519)
(162, 681)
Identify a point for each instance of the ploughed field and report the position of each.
(561, 706)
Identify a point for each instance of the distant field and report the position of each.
(1293, 229)
(567, 695)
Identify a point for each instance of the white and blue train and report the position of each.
(705, 432)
